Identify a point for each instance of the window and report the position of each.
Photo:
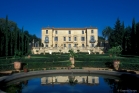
(46, 39)
(92, 45)
(69, 38)
(92, 31)
(82, 32)
(46, 45)
(82, 45)
(55, 45)
(92, 40)
(82, 38)
(56, 32)
(64, 45)
(46, 31)
(56, 38)
(64, 38)
(92, 37)
(75, 45)
(75, 39)
(93, 81)
(69, 45)
(69, 32)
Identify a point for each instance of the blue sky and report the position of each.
(35, 14)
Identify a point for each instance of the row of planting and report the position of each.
(126, 63)
(65, 58)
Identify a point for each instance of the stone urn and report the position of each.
(25, 70)
(17, 66)
(116, 64)
(72, 62)
(29, 56)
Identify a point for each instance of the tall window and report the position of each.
(64, 45)
(75, 39)
(46, 31)
(46, 45)
(64, 38)
(75, 45)
(46, 39)
(55, 45)
(82, 32)
(56, 38)
(82, 38)
(82, 45)
(92, 31)
(92, 37)
(92, 45)
(69, 32)
(69, 38)
(69, 45)
(56, 32)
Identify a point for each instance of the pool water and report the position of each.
(70, 84)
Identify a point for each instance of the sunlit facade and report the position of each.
(63, 39)
(69, 37)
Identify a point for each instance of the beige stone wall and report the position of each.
(65, 50)
(49, 35)
(63, 32)
(89, 34)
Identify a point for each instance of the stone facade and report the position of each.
(65, 79)
(63, 39)
(69, 37)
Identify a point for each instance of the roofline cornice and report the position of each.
(69, 28)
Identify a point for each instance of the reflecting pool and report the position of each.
(70, 83)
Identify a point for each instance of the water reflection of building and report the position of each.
(65, 79)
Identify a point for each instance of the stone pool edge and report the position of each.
(82, 71)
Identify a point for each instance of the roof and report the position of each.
(70, 28)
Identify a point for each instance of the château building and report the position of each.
(69, 37)
(63, 39)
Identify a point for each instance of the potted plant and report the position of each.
(17, 63)
(72, 54)
(115, 51)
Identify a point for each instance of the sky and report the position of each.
(33, 15)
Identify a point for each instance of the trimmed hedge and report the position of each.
(50, 61)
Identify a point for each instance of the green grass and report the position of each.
(83, 60)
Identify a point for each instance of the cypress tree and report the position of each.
(133, 37)
(22, 39)
(11, 43)
(118, 33)
(6, 33)
(137, 37)
(123, 37)
(15, 39)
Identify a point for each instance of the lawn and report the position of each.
(61, 60)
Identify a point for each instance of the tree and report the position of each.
(101, 41)
(133, 37)
(22, 39)
(13, 39)
(127, 41)
(123, 38)
(6, 33)
(118, 34)
(106, 32)
(137, 37)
